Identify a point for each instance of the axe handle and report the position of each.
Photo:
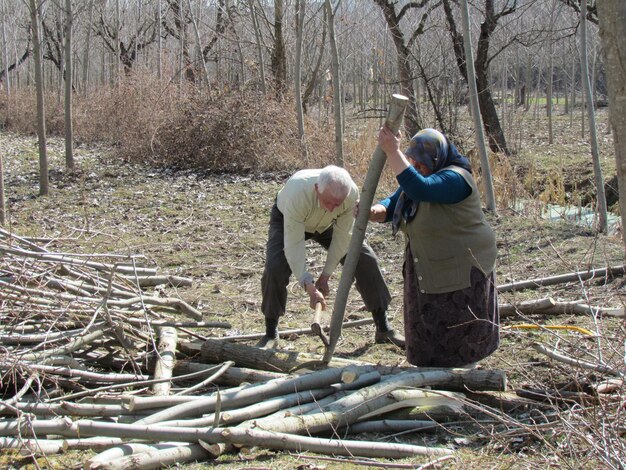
(316, 326)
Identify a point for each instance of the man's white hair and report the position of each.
(336, 180)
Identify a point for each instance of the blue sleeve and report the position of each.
(443, 187)
(390, 203)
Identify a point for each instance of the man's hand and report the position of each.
(315, 296)
(322, 284)
(378, 213)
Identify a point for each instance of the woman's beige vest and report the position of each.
(448, 239)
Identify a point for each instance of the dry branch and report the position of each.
(551, 306)
(272, 360)
(577, 362)
(166, 359)
(577, 276)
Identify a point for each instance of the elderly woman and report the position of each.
(450, 299)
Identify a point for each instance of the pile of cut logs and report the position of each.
(90, 360)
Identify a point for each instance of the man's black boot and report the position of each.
(384, 333)
(270, 340)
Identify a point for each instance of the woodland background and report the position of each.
(181, 120)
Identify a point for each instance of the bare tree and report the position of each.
(597, 169)
(35, 12)
(476, 115)
(87, 50)
(68, 73)
(259, 45)
(497, 140)
(126, 51)
(403, 54)
(300, 9)
(336, 81)
(612, 18)
(2, 198)
(279, 58)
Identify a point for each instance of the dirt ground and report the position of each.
(212, 228)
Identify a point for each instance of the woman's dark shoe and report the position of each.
(390, 336)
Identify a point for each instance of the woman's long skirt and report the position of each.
(451, 329)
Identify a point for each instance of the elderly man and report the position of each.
(318, 204)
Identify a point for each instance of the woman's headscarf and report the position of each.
(431, 148)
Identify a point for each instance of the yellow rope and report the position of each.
(582, 330)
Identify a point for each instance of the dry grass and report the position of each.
(213, 229)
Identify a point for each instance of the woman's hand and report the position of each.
(389, 143)
(378, 213)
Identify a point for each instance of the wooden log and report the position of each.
(166, 352)
(394, 121)
(151, 281)
(526, 307)
(157, 458)
(550, 306)
(233, 376)
(85, 375)
(256, 437)
(38, 427)
(33, 446)
(122, 450)
(577, 276)
(435, 413)
(390, 426)
(480, 379)
(262, 359)
(271, 405)
(91, 443)
(220, 370)
(67, 409)
(358, 404)
(242, 396)
(418, 398)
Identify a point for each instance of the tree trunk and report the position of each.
(279, 59)
(597, 169)
(476, 115)
(259, 45)
(612, 17)
(194, 22)
(86, 52)
(159, 40)
(2, 197)
(497, 141)
(69, 74)
(247, 356)
(336, 81)
(405, 70)
(300, 9)
(41, 110)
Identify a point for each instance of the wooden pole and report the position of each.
(394, 121)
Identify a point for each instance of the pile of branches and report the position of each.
(91, 360)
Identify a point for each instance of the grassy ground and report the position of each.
(213, 229)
